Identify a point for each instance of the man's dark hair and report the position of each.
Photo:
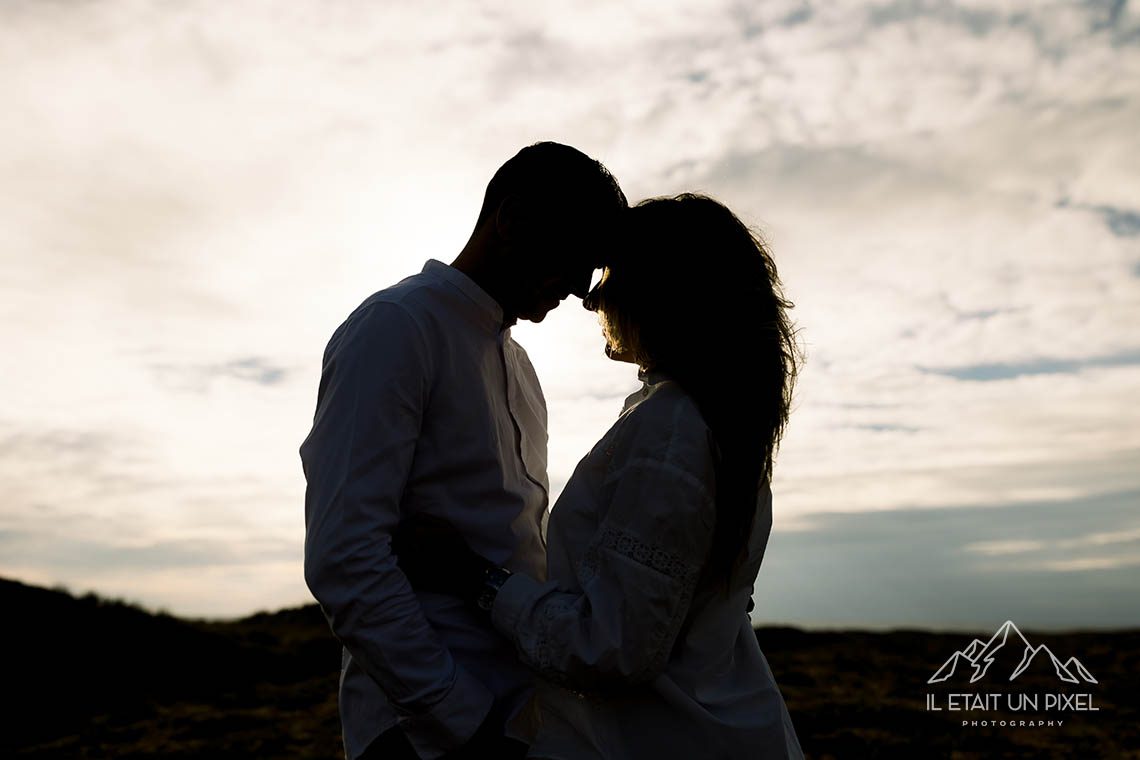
(554, 176)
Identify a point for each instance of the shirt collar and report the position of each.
(490, 312)
(650, 380)
(652, 377)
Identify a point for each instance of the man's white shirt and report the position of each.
(426, 405)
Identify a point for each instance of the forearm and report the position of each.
(618, 629)
(376, 616)
(635, 579)
(357, 460)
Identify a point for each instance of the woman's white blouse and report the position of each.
(636, 661)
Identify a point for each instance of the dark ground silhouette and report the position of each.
(88, 677)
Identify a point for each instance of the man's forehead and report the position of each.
(579, 253)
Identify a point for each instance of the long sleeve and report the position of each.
(374, 387)
(637, 576)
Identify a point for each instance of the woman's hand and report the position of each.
(435, 557)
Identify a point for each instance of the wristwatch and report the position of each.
(493, 580)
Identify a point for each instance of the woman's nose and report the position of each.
(590, 302)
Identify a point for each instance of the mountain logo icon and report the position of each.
(1007, 651)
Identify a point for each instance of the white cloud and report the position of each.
(1091, 563)
(1102, 550)
(991, 548)
(193, 197)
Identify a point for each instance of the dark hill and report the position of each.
(85, 670)
(93, 678)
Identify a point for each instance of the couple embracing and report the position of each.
(472, 627)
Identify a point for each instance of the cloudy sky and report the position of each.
(193, 195)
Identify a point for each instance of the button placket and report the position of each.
(512, 393)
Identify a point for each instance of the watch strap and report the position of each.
(493, 580)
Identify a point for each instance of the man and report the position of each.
(427, 406)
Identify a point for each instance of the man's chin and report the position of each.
(535, 316)
(538, 312)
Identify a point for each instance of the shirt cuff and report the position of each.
(514, 595)
(452, 721)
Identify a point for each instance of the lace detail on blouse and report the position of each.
(545, 649)
(638, 571)
(549, 646)
(653, 557)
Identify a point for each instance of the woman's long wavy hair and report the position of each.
(695, 294)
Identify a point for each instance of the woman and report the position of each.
(641, 638)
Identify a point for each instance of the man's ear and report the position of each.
(512, 218)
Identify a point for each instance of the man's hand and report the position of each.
(435, 557)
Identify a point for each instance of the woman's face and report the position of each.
(609, 288)
(620, 356)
